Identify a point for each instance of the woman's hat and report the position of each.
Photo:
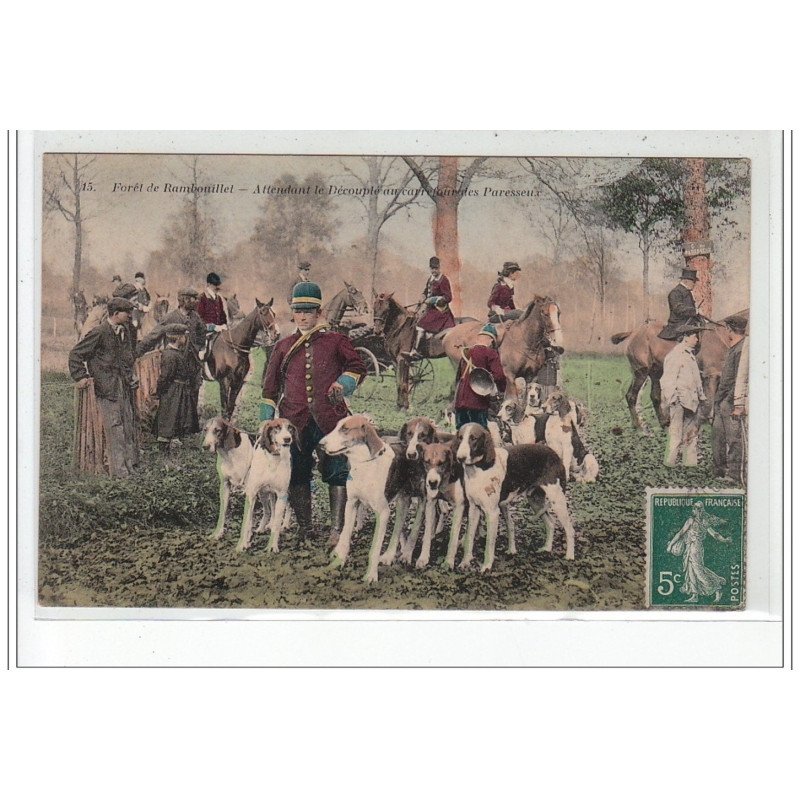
(306, 296)
(509, 267)
(213, 279)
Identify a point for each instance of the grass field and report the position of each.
(143, 542)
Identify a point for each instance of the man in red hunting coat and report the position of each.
(469, 405)
(308, 377)
(437, 316)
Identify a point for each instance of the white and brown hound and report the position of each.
(378, 475)
(234, 450)
(444, 481)
(268, 480)
(493, 476)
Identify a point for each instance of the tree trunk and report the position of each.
(76, 266)
(373, 226)
(645, 245)
(445, 226)
(696, 244)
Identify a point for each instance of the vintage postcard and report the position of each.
(398, 380)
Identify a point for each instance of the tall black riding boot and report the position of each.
(300, 503)
(338, 499)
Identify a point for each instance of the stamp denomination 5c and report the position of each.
(695, 546)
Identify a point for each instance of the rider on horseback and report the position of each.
(436, 297)
(501, 300)
(211, 308)
(682, 308)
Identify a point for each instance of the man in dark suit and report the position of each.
(682, 307)
(106, 355)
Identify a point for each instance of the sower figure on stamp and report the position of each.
(177, 411)
(681, 395)
(436, 298)
(501, 299)
(106, 355)
(688, 543)
(682, 308)
(307, 379)
(728, 434)
(480, 376)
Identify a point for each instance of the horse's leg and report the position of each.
(240, 379)
(402, 383)
(656, 372)
(224, 390)
(632, 398)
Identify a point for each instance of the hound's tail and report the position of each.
(620, 337)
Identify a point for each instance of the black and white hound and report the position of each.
(379, 473)
(493, 476)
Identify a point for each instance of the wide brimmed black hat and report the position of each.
(481, 382)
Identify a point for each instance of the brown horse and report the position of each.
(398, 327)
(646, 353)
(229, 359)
(521, 343)
(349, 298)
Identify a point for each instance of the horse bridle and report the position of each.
(239, 348)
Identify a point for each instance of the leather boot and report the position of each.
(300, 503)
(338, 499)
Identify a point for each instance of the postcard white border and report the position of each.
(167, 637)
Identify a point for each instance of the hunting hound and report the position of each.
(379, 473)
(493, 476)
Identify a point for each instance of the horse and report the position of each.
(397, 325)
(521, 344)
(234, 308)
(646, 352)
(80, 309)
(348, 298)
(228, 361)
(160, 307)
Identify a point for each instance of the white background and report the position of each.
(206, 733)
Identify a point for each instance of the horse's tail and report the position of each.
(620, 337)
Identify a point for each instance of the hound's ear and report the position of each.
(232, 437)
(489, 453)
(403, 432)
(295, 433)
(374, 442)
(563, 406)
(263, 436)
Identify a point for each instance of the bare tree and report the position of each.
(383, 192)
(452, 185)
(66, 179)
(189, 238)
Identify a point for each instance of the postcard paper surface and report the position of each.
(393, 381)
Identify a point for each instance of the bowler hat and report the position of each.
(306, 296)
(689, 275)
(213, 279)
(117, 304)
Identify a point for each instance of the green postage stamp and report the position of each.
(695, 548)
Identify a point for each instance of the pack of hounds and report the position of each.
(531, 450)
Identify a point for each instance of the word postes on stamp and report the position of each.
(695, 547)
